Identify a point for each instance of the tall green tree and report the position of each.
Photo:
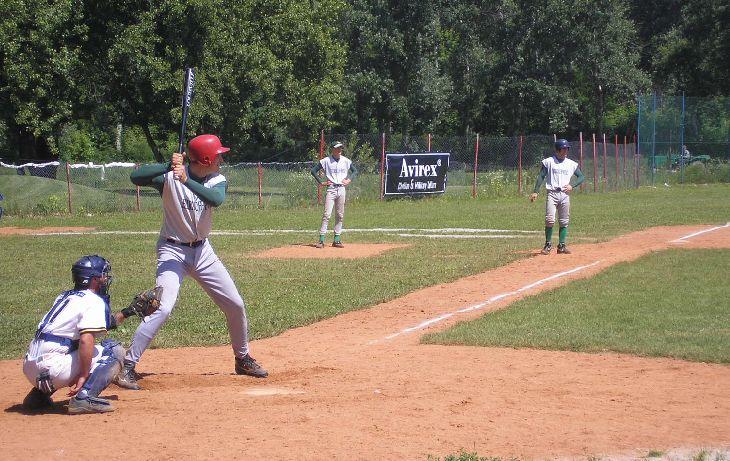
(567, 65)
(693, 55)
(40, 59)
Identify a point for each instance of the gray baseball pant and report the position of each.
(557, 202)
(335, 199)
(174, 262)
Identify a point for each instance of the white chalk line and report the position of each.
(501, 296)
(461, 236)
(695, 234)
(465, 232)
(483, 304)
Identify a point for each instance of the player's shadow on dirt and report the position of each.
(60, 407)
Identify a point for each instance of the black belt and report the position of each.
(68, 342)
(194, 244)
(557, 189)
(337, 185)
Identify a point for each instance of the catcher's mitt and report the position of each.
(144, 303)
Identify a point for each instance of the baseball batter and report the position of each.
(557, 172)
(189, 194)
(339, 171)
(63, 351)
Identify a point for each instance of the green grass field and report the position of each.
(284, 294)
(672, 303)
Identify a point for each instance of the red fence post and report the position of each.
(615, 148)
(595, 170)
(580, 159)
(519, 166)
(476, 163)
(261, 181)
(625, 159)
(637, 160)
(605, 176)
(382, 167)
(68, 186)
(136, 165)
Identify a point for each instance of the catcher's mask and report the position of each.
(205, 148)
(90, 267)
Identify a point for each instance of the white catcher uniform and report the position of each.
(558, 176)
(54, 349)
(335, 171)
(183, 250)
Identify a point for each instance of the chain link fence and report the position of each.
(684, 139)
(480, 166)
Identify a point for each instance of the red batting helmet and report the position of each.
(205, 148)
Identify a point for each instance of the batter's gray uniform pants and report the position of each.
(557, 201)
(335, 199)
(174, 262)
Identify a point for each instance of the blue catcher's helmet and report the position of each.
(89, 267)
(562, 144)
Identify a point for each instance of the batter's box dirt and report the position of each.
(309, 251)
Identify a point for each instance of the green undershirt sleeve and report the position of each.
(213, 196)
(540, 178)
(578, 174)
(315, 169)
(152, 174)
(353, 171)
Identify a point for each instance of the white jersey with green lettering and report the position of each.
(336, 170)
(558, 172)
(186, 218)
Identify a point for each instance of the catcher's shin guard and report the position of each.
(107, 368)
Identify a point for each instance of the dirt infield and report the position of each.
(360, 386)
(41, 230)
(309, 251)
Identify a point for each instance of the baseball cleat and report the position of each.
(338, 245)
(546, 249)
(80, 405)
(127, 377)
(562, 249)
(248, 366)
(37, 400)
(319, 245)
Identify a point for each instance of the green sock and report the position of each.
(562, 234)
(548, 234)
(337, 239)
(321, 238)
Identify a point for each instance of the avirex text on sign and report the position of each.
(416, 173)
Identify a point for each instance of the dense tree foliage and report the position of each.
(274, 72)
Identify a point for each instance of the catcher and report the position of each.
(63, 351)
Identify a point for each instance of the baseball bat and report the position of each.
(187, 99)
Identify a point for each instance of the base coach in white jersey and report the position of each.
(339, 171)
(189, 194)
(557, 172)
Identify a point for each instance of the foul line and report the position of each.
(694, 234)
(483, 304)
